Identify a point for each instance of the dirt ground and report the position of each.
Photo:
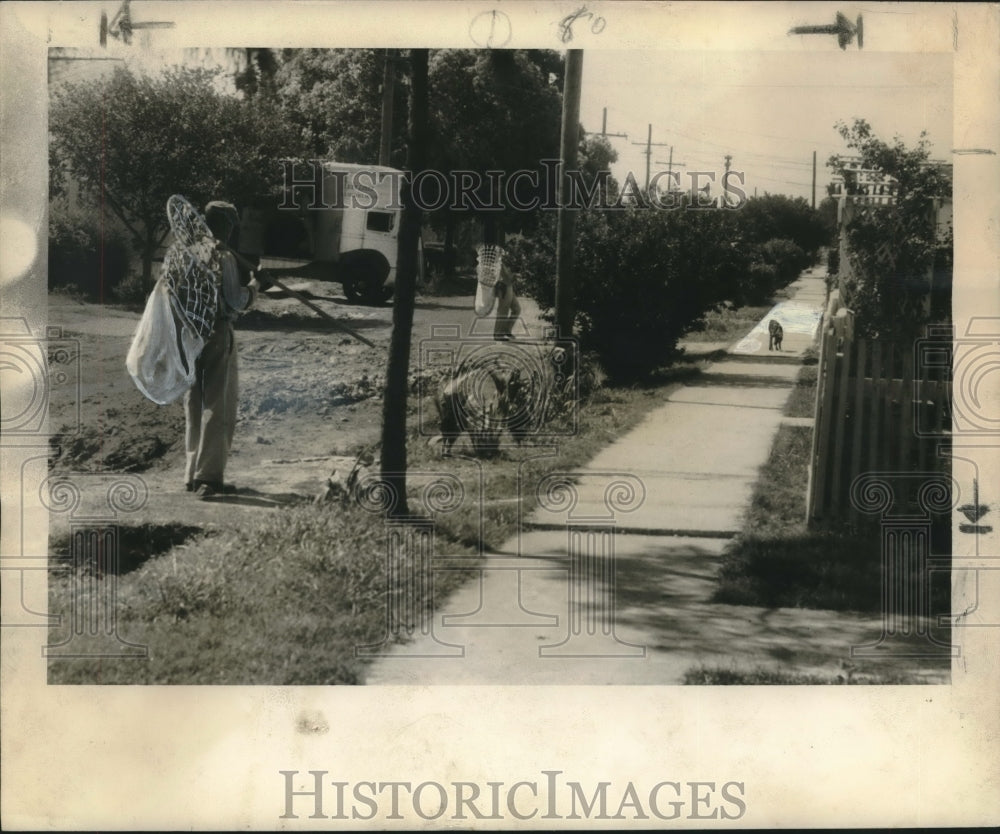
(310, 399)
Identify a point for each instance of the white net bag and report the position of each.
(180, 312)
(489, 259)
(161, 358)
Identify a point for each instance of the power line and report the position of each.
(746, 153)
(631, 117)
(764, 159)
(751, 175)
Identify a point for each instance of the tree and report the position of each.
(595, 156)
(776, 216)
(131, 141)
(494, 110)
(897, 258)
(828, 216)
(644, 278)
(333, 99)
(257, 76)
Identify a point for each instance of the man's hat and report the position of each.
(222, 209)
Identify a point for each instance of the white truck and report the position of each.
(331, 221)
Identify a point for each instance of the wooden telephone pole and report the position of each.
(650, 144)
(814, 179)
(670, 165)
(388, 91)
(393, 466)
(566, 218)
(604, 126)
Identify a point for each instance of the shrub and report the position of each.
(643, 279)
(787, 257)
(832, 260)
(762, 219)
(757, 284)
(84, 254)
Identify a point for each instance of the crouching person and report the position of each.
(210, 404)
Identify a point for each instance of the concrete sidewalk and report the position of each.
(610, 581)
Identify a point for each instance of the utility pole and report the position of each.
(649, 143)
(393, 466)
(814, 179)
(388, 89)
(670, 164)
(566, 216)
(604, 127)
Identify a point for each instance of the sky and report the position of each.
(768, 110)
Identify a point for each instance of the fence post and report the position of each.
(838, 459)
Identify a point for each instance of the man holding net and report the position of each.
(210, 404)
(495, 286)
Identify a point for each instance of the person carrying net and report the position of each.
(210, 403)
(495, 287)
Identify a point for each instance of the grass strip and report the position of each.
(286, 598)
(777, 561)
(719, 676)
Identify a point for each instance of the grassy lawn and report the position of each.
(802, 401)
(729, 324)
(286, 598)
(779, 561)
(717, 676)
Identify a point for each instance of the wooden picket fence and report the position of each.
(875, 412)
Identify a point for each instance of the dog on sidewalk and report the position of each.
(775, 335)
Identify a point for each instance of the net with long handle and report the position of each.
(490, 258)
(191, 267)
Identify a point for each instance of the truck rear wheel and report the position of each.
(374, 291)
(351, 290)
(363, 281)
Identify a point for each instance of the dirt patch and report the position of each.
(118, 445)
(308, 393)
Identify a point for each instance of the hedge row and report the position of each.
(644, 278)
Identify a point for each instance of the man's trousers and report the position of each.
(210, 408)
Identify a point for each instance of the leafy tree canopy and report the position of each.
(897, 276)
(132, 140)
(333, 98)
(495, 110)
(917, 177)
